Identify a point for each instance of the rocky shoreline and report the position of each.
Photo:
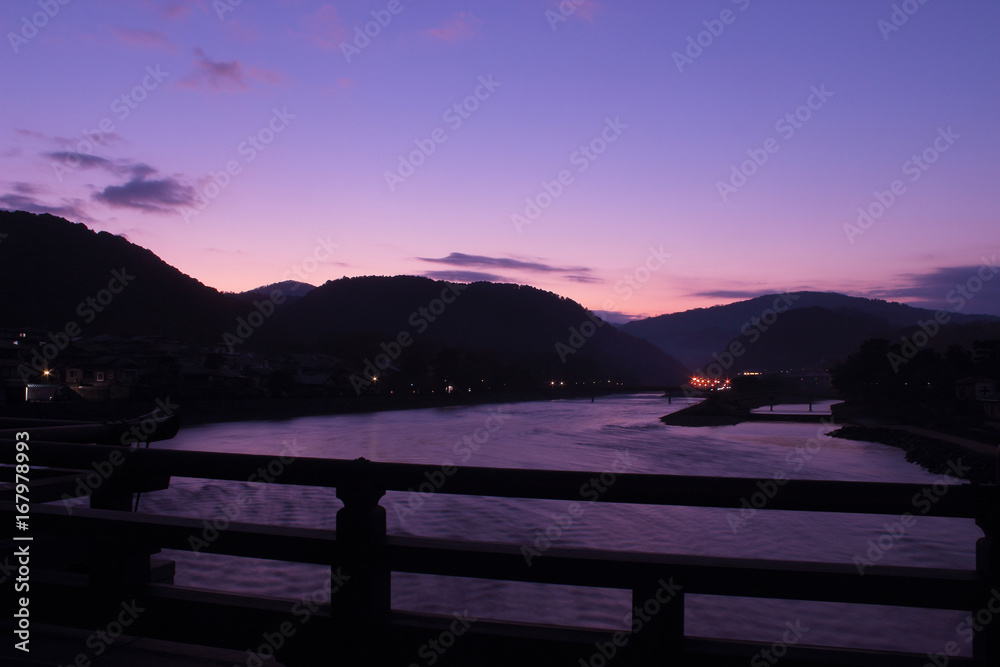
(933, 454)
(936, 456)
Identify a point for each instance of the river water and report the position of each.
(617, 432)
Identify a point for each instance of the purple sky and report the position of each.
(612, 119)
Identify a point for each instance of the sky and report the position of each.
(640, 157)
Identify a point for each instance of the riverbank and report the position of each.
(934, 454)
(255, 409)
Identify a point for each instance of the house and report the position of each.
(976, 389)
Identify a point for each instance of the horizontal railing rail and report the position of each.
(361, 615)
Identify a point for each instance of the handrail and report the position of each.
(891, 498)
(363, 550)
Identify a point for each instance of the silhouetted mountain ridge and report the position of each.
(815, 329)
(49, 266)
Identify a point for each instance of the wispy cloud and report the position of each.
(84, 160)
(465, 276)
(222, 76)
(151, 195)
(23, 188)
(585, 9)
(975, 287)
(30, 133)
(145, 39)
(71, 209)
(460, 26)
(734, 293)
(585, 279)
(481, 261)
(324, 28)
(175, 10)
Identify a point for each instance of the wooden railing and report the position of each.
(107, 555)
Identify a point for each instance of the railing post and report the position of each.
(364, 594)
(118, 566)
(657, 622)
(986, 621)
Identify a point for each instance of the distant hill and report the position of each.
(819, 328)
(293, 290)
(50, 267)
(507, 330)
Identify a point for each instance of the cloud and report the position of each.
(584, 279)
(23, 188)
(465, 276)
(221, 76)
(481, 261)
(324, 28)
(460, 26)
(337, 87)
(84, 160)
(585, 9)
(164, 195)
(734, 293)
(30, 133)
(71, 209)
(967, 289)
(144, 39)
(177, 9)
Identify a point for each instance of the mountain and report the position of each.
(785, 331)
(522, 333)
(293, 290)
(54, 273)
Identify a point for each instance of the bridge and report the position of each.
(90, 563)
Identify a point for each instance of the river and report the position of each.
(615, 431)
